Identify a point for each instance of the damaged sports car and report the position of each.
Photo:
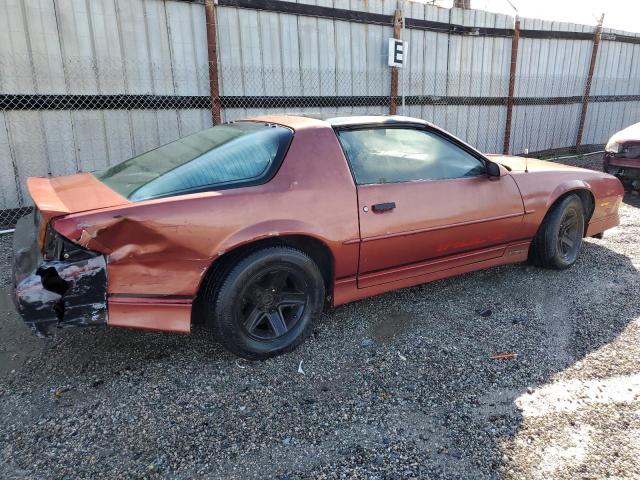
(622, 155)
(254, 227)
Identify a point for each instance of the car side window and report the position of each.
(389, 155)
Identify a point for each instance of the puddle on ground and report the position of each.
(389, 327)
(17, 342)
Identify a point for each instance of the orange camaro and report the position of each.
(254, 227)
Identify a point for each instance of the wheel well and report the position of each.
(316, 249)
(588, 204)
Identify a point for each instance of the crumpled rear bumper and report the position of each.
(621, 165)
(56, 292)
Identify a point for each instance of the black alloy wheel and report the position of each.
(559, 239)
(272, 303)
(569, 235)
(266, 303)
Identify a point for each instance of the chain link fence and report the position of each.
(248, 91)
(81, 114)
(87, 115)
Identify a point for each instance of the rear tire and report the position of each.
(266, 303)
(559, 239)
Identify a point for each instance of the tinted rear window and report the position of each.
(225, 155)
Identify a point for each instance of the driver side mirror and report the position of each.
(494, 170)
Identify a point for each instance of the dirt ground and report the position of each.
(398, 386)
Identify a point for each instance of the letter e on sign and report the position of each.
(397, 52)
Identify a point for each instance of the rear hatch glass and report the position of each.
(236, 154)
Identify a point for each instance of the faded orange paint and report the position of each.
(57, 196)
(545, 182)
(165, 246)
(158, 251)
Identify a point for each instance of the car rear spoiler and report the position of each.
(81, 192)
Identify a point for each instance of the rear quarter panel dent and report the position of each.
(165, 246)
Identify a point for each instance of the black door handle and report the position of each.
(383, 207)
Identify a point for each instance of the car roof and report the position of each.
(338, 122)
(292, 121)
(306, 122)
(301, 121)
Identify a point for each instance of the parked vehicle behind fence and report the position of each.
(254, 227)
(622, 155)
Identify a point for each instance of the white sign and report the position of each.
(397, 52)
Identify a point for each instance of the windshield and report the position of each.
(230, 154)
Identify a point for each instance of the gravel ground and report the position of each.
(398, 386)
(5, 260)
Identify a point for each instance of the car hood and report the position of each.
(519, 164)
(629, 134)
(55, 196)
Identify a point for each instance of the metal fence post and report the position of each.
(212, 52)
(393, 100)
(512, 85)
(587, 88)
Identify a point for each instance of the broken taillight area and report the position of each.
(56, 247)
(62, 284)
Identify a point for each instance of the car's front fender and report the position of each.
(566, 187)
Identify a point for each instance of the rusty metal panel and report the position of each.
(616, 73)
(327, 57)
(549, 67)
(275, 61)
(8, 188)
(103, 47)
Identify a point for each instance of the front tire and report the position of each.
(559, 240)
(267, 303)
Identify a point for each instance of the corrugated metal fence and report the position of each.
(87, 83)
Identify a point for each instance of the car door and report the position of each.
(426, 203)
